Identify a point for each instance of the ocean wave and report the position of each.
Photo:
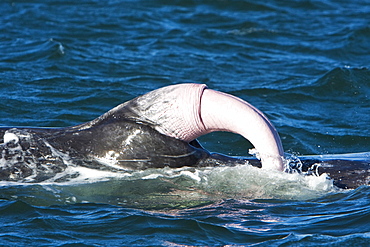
(343, 84)
(29, 50)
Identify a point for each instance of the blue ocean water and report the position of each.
(305, 64)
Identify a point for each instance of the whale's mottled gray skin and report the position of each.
(133, 145)
(135, 136)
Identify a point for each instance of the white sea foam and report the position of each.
(245, 181)
(166, 186)
(222, 182)
(242, 181)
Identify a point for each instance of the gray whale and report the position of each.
(158, 130)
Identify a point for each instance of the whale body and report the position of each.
(157, 130)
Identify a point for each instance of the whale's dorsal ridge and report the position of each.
(127, 111)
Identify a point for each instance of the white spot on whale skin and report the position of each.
(9, 137)
(110, 159)
(111, 154)
(129, 139)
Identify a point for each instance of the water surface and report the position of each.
(303, 63)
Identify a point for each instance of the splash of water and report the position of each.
(165, 186)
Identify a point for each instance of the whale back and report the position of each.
(107, 143)
(125, 139)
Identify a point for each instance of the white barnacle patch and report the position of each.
(110, 159)
(10, 137)
(111, 153)
(11, 153)
(110, 156)
(131, 137)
